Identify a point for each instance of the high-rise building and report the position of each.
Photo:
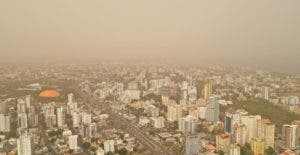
(257, 146)
(251, 123)
(207, 91)
(21, 106)
(75, 119)
(4, 123)
(187, 124)
(174, 112)
(240, 133)
(100, 151)
(266, 93)
(266, 131)
(86, 118)
(70, 98)
(212, 110)
(157, 122)
(289, 136)
(90, 130)
(234, 149)
(60, 113)
(25, 144)
(28, 101)
(3, 107)
(223, 142)
(109, 146)
(22, 120)
(192, 144)
(73, 142)
(230, 120)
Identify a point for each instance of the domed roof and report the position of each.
(49, 94)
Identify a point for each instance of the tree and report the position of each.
(270, 151)
(86, 145)
(122, 151)
(221, 152)
(246, 149)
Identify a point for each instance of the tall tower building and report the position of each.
(212, 110)
(86, 118)
(207, 91)
(25, 144)
(266, 93)
(223, 142)
(73, 142)
(60, 114)
(28, 101)
(192, 144)
(187, 124)
(76, 119)
(289, 136)
(240, 133)
(174, 112)
(109, 146)
(257, 146)
(70, 98)
(266, 131)
(230, 120)
(22, 120)
(3, 107)
(4, 123)
(251, 123)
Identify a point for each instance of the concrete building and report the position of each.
(212, 110)
(22, 120)
(174, 112)
(187, 124)
(4, 123)
(192, 144)
(240, 133)
(86, 118)
(60, 114)
(234, 149)
(223, 142)
(266, 131)
(257, 146)
(207, 91)
(251, 122)
(157, 122)
(109, 146)
(25, 144)
(230, 120)
(72, 141)
(289, 136)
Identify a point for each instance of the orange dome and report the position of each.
(49, 94)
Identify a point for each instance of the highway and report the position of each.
(120, 122)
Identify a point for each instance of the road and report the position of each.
(120, 122)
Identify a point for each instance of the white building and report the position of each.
(234, 149)
(76, 119)
(109, 146)
(25, 144)
(100, 151)
(157, 122)
(251, 123)
(86, 118)
(174, 112)
(60, 114)
(4, 123)
(22, 120)
(73, 142)
(187, 124)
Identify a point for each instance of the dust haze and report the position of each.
(258, 33)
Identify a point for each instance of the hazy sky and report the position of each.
(262, 33)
